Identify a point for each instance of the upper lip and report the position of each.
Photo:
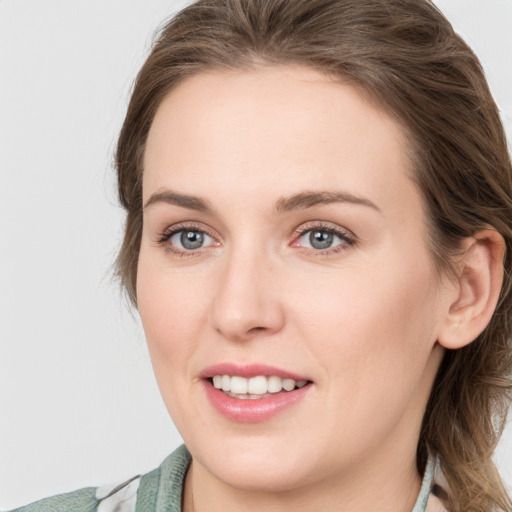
(248, 371)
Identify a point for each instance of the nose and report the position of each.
(247, 302)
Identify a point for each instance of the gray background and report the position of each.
(78, 402)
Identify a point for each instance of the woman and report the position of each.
(318, 241)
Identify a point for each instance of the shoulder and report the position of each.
(141, 493)
(80, 501)
(90, 499)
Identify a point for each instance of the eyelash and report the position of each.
(347, 238)
(169, 232)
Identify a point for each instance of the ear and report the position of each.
(475, 291)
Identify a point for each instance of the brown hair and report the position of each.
(405, 55)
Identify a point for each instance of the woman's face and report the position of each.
(284, 241)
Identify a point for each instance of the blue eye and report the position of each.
(322, 239)
(190, 239)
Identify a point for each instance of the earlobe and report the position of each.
(476, 290)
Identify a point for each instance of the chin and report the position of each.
(250, 475)
(260, 464)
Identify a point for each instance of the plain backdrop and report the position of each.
(78, 402)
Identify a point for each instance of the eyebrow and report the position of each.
(183, 200)
(300, 201)
(306, 200)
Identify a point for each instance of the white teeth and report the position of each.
(274, 384)
(243, 397)
(288, 384)
(226, 383)
(255, 387)
(239, 385)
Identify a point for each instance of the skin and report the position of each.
(361, 319)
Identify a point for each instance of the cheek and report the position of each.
(368, 326)
(372, 335)
(173, 309)
(170, 299)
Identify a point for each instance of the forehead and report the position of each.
(277, 126)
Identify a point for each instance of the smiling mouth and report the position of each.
(253, 393)
(256, 387)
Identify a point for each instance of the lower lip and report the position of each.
(253, 410)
